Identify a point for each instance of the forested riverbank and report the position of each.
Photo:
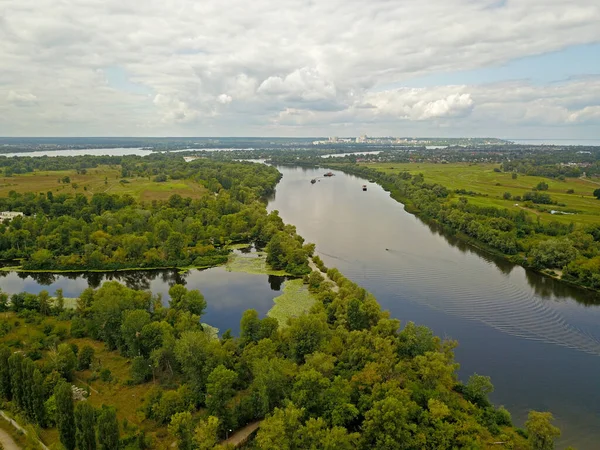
(564, 251)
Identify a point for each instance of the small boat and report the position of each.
(313, 181)
(364, 187)
(329, 174)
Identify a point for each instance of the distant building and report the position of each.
(9, 215)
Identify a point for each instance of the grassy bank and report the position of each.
(482, 179)
(293, 302)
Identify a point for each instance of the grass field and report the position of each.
(481, 178)
(102, 179)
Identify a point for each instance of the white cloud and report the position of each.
(21, 98)
(327, 62)
(224, 99)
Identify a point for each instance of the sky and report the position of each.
(516, 69)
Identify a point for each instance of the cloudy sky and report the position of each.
(502, 68)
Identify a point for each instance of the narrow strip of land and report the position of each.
(7, 441)
(242, 435)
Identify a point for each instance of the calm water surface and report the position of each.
(539, 340)
(227, 294)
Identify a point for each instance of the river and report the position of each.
(537, 338)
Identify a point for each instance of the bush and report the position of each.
(85, 358)
(106, 375)
(140, 370)
(570, 191)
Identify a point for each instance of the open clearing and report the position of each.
(482, 179)
(101, 179)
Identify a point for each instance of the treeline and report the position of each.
(543, 245)
(108, 232)
(344, 376)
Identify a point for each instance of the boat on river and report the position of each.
(364, 187)
(329, 174)
(313, 181)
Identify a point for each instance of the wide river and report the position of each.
(538, 339)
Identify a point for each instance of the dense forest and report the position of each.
(344, 376)
(109, 231)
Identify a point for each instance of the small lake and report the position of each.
(228, 294)
(538, 339)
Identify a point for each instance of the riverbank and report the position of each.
(518, 258)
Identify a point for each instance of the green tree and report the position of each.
(219, 390)
(65, 360)
(478, 388)
(85, 357)
(15, 363)
(306, 334)
(542, 433)
(65, 418)
(38, 398)
(184, 300)
(85, 424)
(182, 428)
(108, 429)
(206, 434)
(5, 387)
(250, 326)
(389, 423)
(133, 323)
(44, 300)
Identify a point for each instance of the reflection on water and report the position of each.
(228, 294)
(524, 330)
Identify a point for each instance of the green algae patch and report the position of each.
(255, 263)
(295, 301)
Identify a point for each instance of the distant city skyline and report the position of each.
(527, 69)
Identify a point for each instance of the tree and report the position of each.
(141, 370)
(85, 357)
(553, 253)
(478, 388)
(542, 433)
(65, 360)
(108, 429)
(206, 434)
(597, 193)
(38, 398)
(184, 300)
(85, 423)
(133, 323)
(306, 334)
(514, 176)
(181, 427)
(542, 186)
(219, 390)
(65, 418)
(250, 326)
(388, 423)
(507, 196)
(5, 387)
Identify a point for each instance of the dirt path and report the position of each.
(241, 436)
(314, 267)
(7, 441)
